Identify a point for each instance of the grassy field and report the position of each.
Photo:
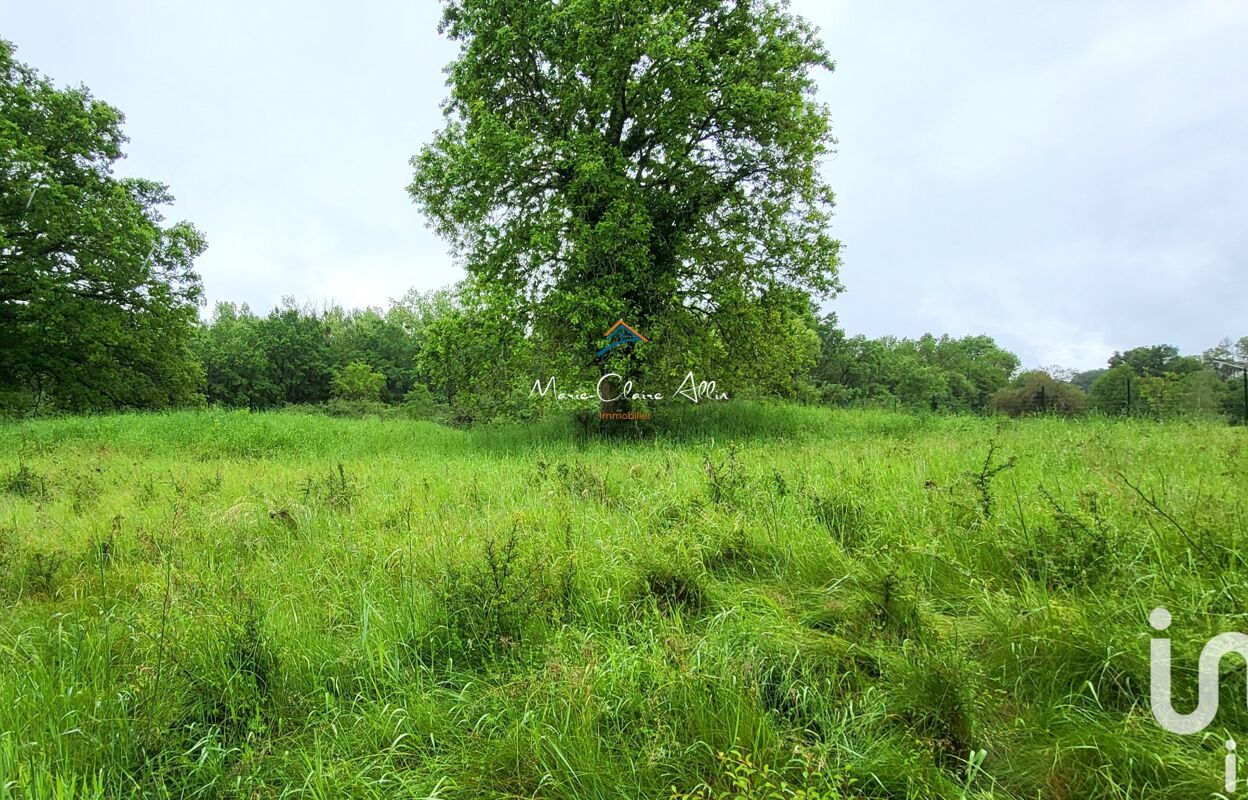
(764, 603)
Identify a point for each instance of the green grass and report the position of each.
(757, 602)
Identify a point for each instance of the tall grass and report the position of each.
(756, 601)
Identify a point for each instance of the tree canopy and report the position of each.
(936, 373)
(1156, 360)
(617, 159)
(97, 297)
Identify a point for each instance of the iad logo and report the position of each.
(621, 333)
(1206, 676)
(1207, 684)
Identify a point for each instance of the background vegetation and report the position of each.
(434, 356)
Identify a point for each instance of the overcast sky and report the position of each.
(1070, 178)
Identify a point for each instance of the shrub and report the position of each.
(726, 481)
(359, 382)
(1110, 393)
(356, 409)
(1073, 549)
(896, 610)
(491, 606)
(336, 489)
(1037, 392)
(418, 403)
(577, 479)
(24, 482)
(31, 571)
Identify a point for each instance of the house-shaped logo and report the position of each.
(620, 333)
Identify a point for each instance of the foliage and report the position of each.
(473, 354)
(234, 359)
(930, 373)
(389, 341)
(1111, 392)
(418, 403)
(1163, 384)
(359, 382)
(462, 355)
(1085, 379)
(614, 160)
(1229, 352)
(97, 297)
(296, 350)
(1156, 361)
(743, 779)
(292, 354)
(1204, 392)
(1038, 392)
(1221, 359)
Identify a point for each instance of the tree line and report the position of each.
(437, 354)
(974, 374)
(635, 176)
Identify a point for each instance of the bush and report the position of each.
(336, 490)
(1037, 392)
(490, 607)
(1110, 393)
(1075, 549)
(359, 382)
(24, 482)
(355, 408)
(17, 403)
(418, 403)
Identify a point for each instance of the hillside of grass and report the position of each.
(756, 602)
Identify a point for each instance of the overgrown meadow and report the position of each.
(761, 602)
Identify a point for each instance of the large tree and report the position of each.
(97, 297)
(1156, 360)
(652, 161)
